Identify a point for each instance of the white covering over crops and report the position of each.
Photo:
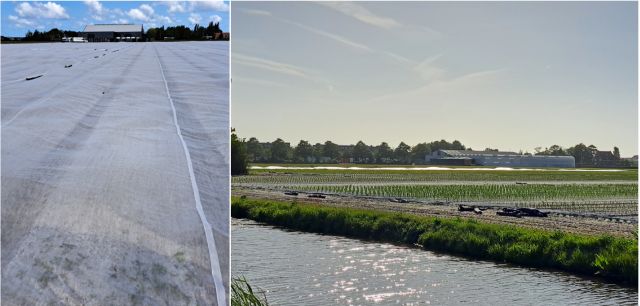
(103, 166)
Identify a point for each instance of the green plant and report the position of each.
(242, 294)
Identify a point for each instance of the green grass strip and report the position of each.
(612, 258)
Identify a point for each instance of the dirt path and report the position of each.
(582, 225)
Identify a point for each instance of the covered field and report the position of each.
(115, 167)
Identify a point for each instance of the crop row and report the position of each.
(527, 192)
(614, 207)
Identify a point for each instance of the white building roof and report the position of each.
(113, 28)
(476, 153)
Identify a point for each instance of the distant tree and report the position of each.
(255, 152)
(318, 149)
(554, 150)
(402, 153)
(212, 28)
(616, 153)
(303, 151)
(54, 35)
(456, 145)
(383, 153)
(279, 151)
(444, 145)
(583, 155)
(238, 155)
(331, 150)
(419, 151)
(362, 153)
(346, 153)
(557, 150)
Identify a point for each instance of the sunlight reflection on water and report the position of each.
(309, 269)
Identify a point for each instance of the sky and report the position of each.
(18, 17)
(506, 75)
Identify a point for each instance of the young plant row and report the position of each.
(613, 258)
(529, 192)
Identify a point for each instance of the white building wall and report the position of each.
(526, 161)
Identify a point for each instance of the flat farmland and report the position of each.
(591, 198)
(102, 150)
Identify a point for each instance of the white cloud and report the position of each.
(25, 9)
(345, 41)
(257, 12)
(428, 71)
(49, 10)
(137, 14)
(269, 65)
(441, 87)
(147, 14)
(96, 8)
(175, 6)
(208, 5)
(261, 82)
(120, 21)
(332, 36)
(147, 9)
(362, 14)
(163, 19)
(21, 22)
(215, 18)
(194, 18)
(195, 6)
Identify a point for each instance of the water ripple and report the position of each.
(309, 269)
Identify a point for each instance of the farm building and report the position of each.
(498, 159)
(113, 32)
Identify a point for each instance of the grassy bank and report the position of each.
(612, 258)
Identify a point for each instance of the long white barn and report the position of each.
(113, 32)
(498, 159)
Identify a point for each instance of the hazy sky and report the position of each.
(502, 75)
(18, 17)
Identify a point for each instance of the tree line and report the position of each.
(587, 156)
(184, 33)
(51, 35)
(279, 151)
(212, 30)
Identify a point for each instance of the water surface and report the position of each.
(296, 268)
